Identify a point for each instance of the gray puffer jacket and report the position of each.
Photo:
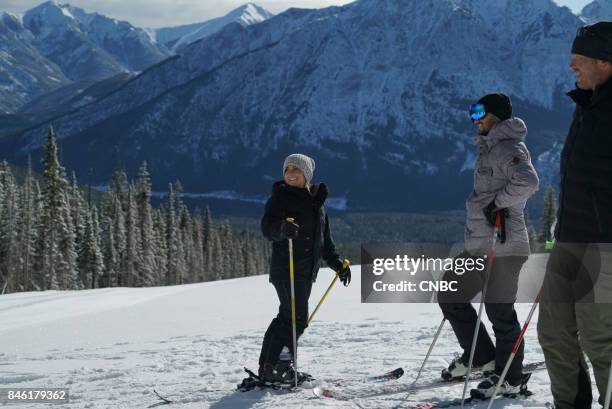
(503, 173)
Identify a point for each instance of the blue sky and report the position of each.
(163, 13)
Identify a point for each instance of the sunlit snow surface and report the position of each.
(112, 347)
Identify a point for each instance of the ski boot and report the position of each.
(286, 359)
(457, 369)
(282, 374)
(486, 388)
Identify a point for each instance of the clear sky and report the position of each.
(164, 13)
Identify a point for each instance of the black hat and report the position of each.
(497, 104)
(594, 41)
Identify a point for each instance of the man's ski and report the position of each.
(469, 402)
(409, 388)
(387, 376)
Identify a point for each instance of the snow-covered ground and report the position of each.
(112, 347)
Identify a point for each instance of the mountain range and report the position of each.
(376, 90)
(56, 49)
(175, 38)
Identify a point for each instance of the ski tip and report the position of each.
(322, 392)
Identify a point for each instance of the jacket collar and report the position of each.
(513, 128)
(317, 192)
(587, 98)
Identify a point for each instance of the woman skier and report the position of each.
(295, 198)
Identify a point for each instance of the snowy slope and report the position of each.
(178, 37)
(111, 347)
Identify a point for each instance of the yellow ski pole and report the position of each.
(345, 264)
(292, 279)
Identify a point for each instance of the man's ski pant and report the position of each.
(503, 286)
(280, 333)
(576, 318)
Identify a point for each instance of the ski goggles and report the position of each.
(477, 112)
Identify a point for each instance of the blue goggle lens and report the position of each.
(477, 112)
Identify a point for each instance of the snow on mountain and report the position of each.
(597, 10)
(89, 45)
(111, 347)
(178, 37)
(54, 44)
(24, 72)
(374, 90)
(74, 95)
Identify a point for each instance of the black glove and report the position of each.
(491, 212)
(289, 230)
(345, 275)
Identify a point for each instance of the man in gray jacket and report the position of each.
(504, 178)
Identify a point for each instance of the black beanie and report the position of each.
(594, 41)
(497, 104)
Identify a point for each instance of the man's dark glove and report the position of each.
(345, 274)
(491, 212)
(289, 230)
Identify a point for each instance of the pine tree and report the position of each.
(228, 256)
(109, 251)
(146, 263)
(218, 259)
(91, 264)
(172, 240)
(67, 247)
(119, 238)
(119, 187)
(186, 260)
(250, 254)
(131, 240)
(55, 252)
(207, 240)
(78, 210)
(159, 233)
(549, 213)
(26, 231)
(197, 266)
(9, 251)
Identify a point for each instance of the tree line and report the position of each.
(51, 238)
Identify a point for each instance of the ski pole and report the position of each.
(429, 351)
(292, 281)
(496, 232)
(515, 349)
(345, 264)
(609, 389)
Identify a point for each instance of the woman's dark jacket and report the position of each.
(585, 202)
(314, 240)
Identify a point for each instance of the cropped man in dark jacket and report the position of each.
(294, 197)
(576, 306)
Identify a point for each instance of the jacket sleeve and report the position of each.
(329, 253)
(522, 177)
(274, 214)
